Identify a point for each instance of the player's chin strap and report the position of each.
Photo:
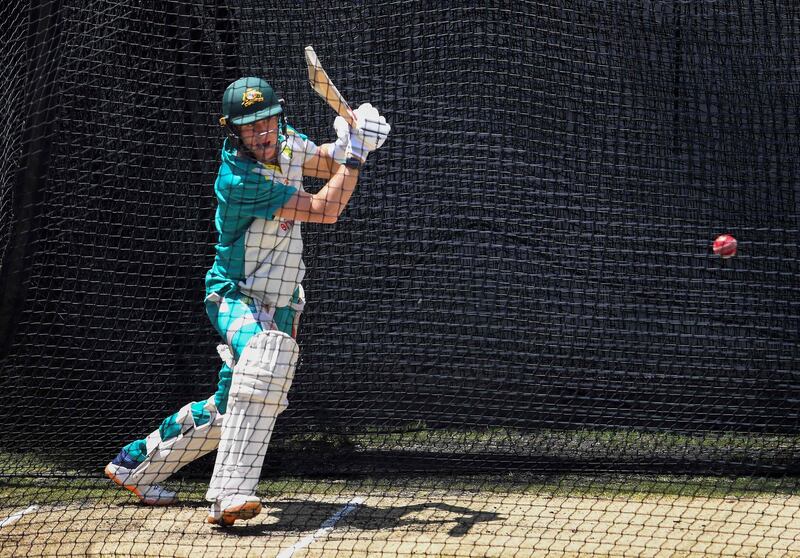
(283, 126)
(230, 131)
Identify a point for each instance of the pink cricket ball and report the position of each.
(725, 246)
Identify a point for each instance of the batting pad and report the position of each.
(164, 458)
(261, 382)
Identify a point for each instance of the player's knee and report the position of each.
(192, 415)
(203, 412)
(265, 370)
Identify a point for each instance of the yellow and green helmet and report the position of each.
(248, 99)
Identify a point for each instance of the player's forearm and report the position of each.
(335, 195)
(322, 164)
(327, 165)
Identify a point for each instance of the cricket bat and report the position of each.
(325, 88)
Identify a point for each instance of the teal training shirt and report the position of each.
(256, 252)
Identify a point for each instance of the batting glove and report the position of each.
(349, 143)
(341, 147)
(372, 127)
(359, 142)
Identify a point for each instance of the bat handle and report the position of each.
(350, 116)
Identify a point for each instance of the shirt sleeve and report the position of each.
(301, 143)
(255, 195)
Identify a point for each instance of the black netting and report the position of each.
(523, 283)
(12, 97)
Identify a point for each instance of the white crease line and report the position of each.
(324, 529)
(11, 519)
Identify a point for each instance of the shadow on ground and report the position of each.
(305, 516)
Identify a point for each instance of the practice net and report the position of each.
(517, 342)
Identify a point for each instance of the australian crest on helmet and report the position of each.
(251, 96)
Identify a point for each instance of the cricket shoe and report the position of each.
(226, 511)
(119, 471)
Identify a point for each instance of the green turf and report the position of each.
(27, 478)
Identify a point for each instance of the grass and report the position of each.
(616, 441)
(28, 478)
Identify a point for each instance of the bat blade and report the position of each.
(322, 84)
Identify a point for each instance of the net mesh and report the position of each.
(518, 340)
(13, 60)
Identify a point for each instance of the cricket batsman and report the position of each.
(254, 295)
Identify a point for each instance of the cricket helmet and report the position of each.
(248, 99)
